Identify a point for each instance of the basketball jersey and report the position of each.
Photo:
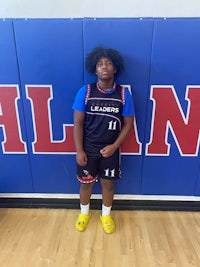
(103, 117)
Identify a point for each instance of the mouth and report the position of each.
(104, 72)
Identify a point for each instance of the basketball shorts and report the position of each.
(99, 166)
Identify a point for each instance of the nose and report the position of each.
(104, 64)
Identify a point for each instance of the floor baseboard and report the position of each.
(96, 204)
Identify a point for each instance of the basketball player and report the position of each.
(103, 117)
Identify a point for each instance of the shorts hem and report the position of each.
(87, 181)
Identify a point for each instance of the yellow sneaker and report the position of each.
(108, 224)
(82, 221)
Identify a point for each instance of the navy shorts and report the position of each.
(99, 166)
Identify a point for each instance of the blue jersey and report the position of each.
(104, 111)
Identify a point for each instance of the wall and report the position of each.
(90, 8)
(42, 67)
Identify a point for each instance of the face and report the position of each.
(105, 69)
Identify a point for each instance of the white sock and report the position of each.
(106, 210)
(85, 209)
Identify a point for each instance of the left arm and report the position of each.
(109, 150)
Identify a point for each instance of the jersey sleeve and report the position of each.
(128, 109)
(79, 101)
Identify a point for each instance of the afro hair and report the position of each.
(99, 52)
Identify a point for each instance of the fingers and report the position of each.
(107, 151)
(83, 162)
(81, 159)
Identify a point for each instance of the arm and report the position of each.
(81, 156)
(107, 151)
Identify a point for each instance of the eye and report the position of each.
(102, 63)
(108, 63)
(99, 64)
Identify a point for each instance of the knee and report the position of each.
(87, 187)
(107, 185)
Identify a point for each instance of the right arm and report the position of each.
(81, 156)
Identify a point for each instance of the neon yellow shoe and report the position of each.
(82, 222)
(108, 224)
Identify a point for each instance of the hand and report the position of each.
(81, 158)
(108, 151)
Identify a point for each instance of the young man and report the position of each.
(103, 117)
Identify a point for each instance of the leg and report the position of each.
(85, 193)
(109, 171)
(84, 216)
(107, 195)
(87, 176)
(107, 192)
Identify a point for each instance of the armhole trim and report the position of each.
(123, 94)
(88, 93)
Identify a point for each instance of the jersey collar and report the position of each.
(109, 91)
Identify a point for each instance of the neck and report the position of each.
(105, 85)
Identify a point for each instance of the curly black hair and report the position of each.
(99, 52)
